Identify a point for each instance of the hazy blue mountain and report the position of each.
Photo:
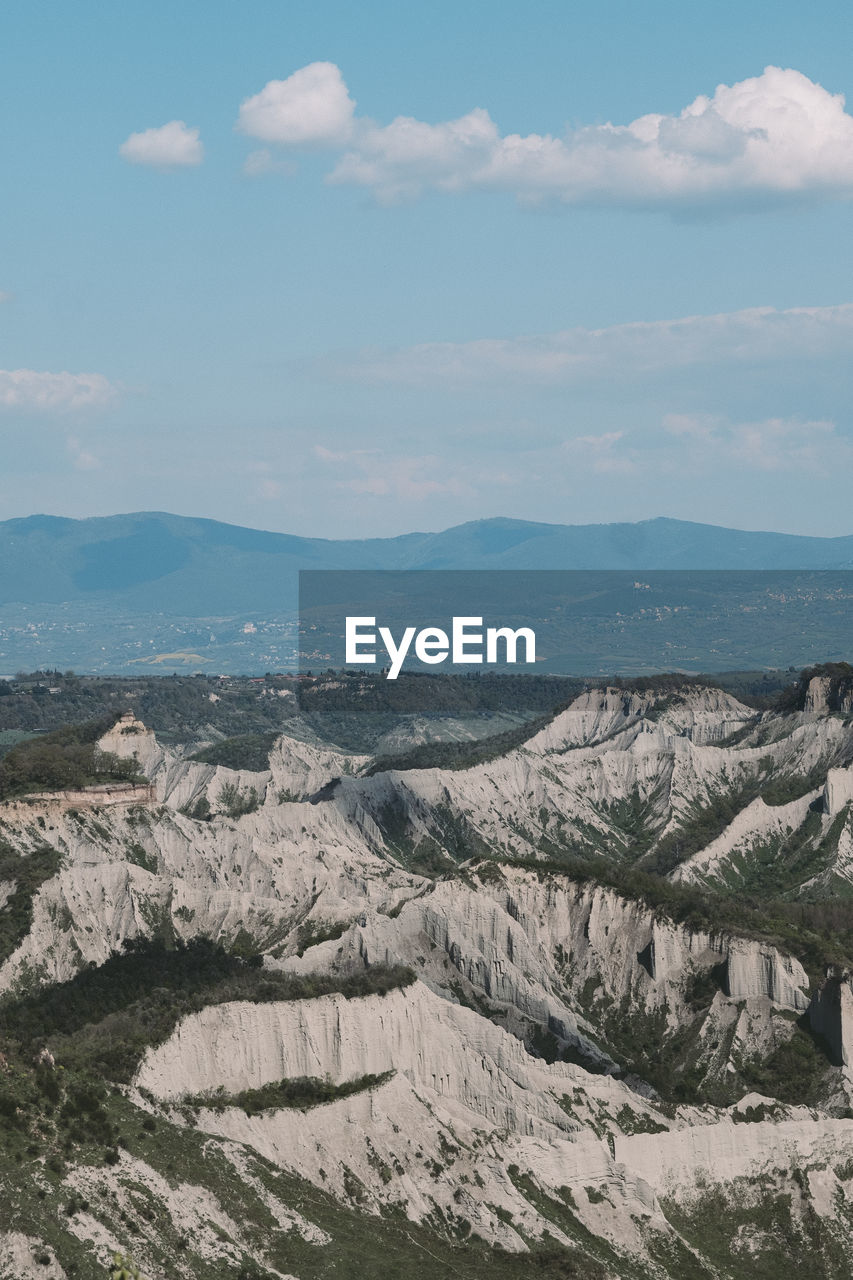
(152, 561)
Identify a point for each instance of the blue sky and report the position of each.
(353, 270)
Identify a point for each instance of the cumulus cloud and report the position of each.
(776, 136)
(173, 146)
(311, 108)
(401, 160)
(758, 335)
(29, 389)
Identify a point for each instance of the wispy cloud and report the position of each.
(374, 472)
(774, 137)
(261, 162)
(759, 335)
(82, 459)
(173, 146)
(311, 108)
(769, 444)
(674, 457)
(49, 392)
(602, 454)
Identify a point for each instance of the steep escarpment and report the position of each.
(465, 1105)
(627, 991)
(693, 785)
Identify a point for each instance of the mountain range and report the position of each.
(154, 561)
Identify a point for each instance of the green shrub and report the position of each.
(312, 932)
(123, 1268)
(298, 1091)
(27, 873)
(248, 751)
(236, 802)
(200, 810)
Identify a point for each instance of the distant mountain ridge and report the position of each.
(155, 561)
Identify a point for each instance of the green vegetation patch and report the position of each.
(705, 822)
(248, 751)
(64, 1123)
(236, 802)
(68, 758)
(300, 1092)
(638, 818)
(312, 932)
(763, 1233)
(795, 1071)
(464, 755)
(26, 874)
(104, 1019)
(780, 867)
(840, 687)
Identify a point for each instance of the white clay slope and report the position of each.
(533, 954)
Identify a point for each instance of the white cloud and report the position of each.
(374, 472)
(28, 389)
(310, 108)
(401, 160)
(691, 448)
(259, 163)
(759, 335)
(776, 136)
(770, 444)
(782, 443)
(173, 146)
(600, 453)
(81, 458)
(692, 426)
(677, 459)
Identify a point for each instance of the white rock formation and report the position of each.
(831, 1015)
(535, 957)
(753, 970)
(838, 791)
(464, 1094)
(21, 1258)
